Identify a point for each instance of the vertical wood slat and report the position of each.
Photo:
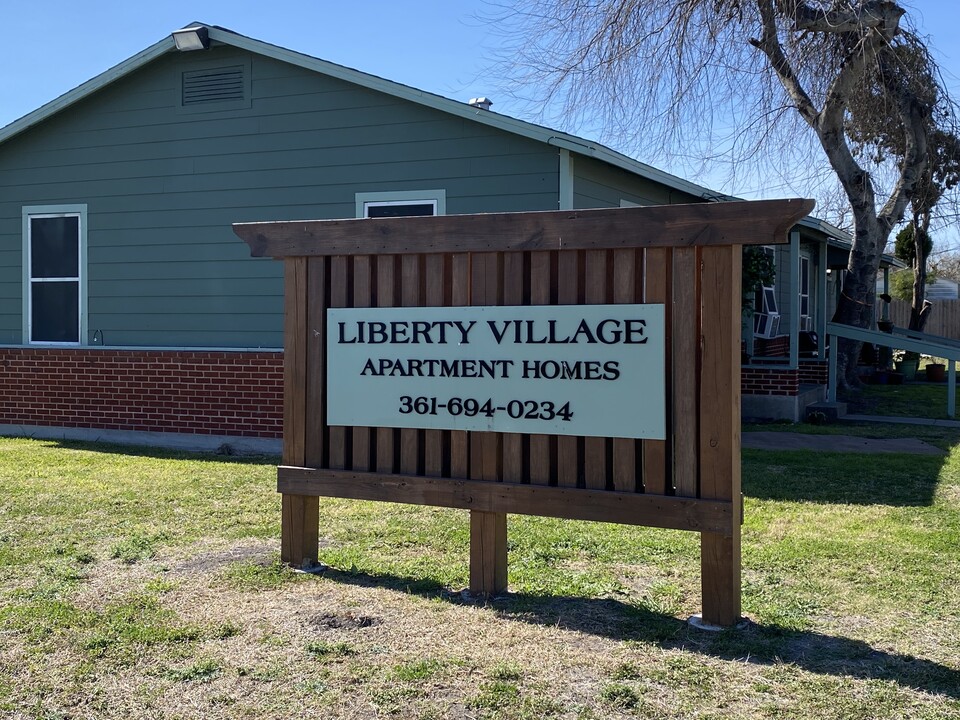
(657, 271)
(595, 293)
(459, 295)
(720, 431)
(625, 291)
(409, 297)
(300, 515)
(488, 530)
(362, 297)
(568, 293)
(316, 438)
(513, 470)
(339, 289)
(294, 360)
(386, 289)
(540, 284)
(434, 296)
(486, 449)
(686, 341)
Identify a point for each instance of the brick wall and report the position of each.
(772, 347)
(765, 381)
(813, 372)
(209, 393)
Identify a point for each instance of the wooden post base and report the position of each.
(299, 529)
(488, 552)
(720, 578)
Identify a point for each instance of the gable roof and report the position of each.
(530, 130)
(556, 138)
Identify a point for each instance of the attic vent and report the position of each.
(213, 85)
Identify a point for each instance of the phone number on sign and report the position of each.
(471, 407)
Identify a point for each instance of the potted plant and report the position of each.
(908, 365)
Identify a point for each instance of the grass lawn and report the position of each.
(916, 399)
(145, 584)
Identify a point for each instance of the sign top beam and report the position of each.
(756, 222)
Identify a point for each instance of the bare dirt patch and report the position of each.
(342, 621)
(208, 561)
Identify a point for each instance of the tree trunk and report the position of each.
(918, 314)
(860, 281)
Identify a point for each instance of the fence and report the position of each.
(944, 317)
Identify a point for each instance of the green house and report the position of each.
(130, 310)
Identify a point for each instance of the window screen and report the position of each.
(54, 244)
(54, 247)
(55, 312)
(769, 300)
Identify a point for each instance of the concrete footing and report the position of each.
(781, 407)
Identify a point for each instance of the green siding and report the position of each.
(163, 187)
(597, 184)
(11, 282)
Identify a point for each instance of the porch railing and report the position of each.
(899, 339)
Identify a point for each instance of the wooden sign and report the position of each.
(684, 259)
(520, 369)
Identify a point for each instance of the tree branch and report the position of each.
(869, 15)
(769, 45)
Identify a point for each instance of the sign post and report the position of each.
(573, 364)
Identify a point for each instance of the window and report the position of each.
(401, 204)
(766, 317)
(54, 242)
(806, 321)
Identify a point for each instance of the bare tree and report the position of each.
(874, 126)
(946, 264)
(710, 78)
(940, 176)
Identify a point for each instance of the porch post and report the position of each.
(832, 371)
(952, 388)
(822, 301)
(793, 292)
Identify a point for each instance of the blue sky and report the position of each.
(51, 46)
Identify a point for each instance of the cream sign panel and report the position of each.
(594, 370)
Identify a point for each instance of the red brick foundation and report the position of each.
(772, 347)
(813, 372)
(200, 392)
(181, 391)
(772, 381)
(766, 381)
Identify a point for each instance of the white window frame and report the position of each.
(805, 291)
(48, 211)
(436, 198)
(766, 319)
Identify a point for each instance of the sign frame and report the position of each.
(685, 257)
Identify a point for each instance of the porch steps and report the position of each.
(830, 410)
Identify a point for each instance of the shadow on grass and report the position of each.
(842, 478)
(162, 453)
(756, 644)
(919, 399)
